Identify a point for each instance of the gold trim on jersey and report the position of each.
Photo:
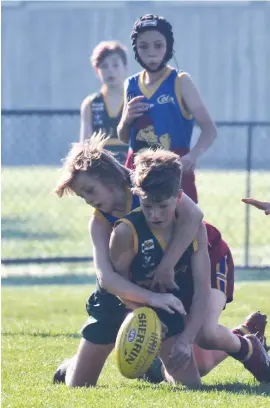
(148, 93)
(177, 89)
(100, 216)
(117, 111)
(134, 233)
(221, 277)
(195, 245)
(89, 98)
(164, 245)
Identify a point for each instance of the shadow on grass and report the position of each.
(42, 335)
(48, 280)
(234, 388)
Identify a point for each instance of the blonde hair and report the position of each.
(92, 158)
(157, 174)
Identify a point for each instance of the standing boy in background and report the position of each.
(102, 111)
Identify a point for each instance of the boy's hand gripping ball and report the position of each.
(138, 342)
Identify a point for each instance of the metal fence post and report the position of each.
(248, 192)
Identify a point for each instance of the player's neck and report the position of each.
(165, 233)
(151, 78)
(117, 90)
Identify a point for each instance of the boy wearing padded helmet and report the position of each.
(162, 103)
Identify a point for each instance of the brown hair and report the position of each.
(105, 48)
(157, 174)
(91, 157)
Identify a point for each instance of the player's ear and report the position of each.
(96, 72)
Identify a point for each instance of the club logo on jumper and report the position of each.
(97, 119)
(182, 269)
(165, 99)
(147, 245)
(97, 106)
(147, 251)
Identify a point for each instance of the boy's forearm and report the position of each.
(183, 235)
(120, 286)
(205, 140)
(123, 131)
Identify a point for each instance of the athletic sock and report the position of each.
(245, 351)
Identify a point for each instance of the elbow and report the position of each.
(104, 282)
(200, 217)
(197, 217)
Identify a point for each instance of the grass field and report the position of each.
(40, 327)
(35, 223)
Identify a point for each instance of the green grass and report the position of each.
(35, 223)
(40, 327)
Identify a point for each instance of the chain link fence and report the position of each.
(39, 227)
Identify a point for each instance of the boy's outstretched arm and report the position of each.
(261, 205)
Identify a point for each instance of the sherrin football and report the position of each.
(138, 342)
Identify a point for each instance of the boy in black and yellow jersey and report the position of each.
(148, 248)
(137, 246)
(102, 111)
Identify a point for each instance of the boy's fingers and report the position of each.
(258, 204)
(136, 99)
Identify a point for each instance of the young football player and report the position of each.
(162, 103)
(137, 245)
(102, 111)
